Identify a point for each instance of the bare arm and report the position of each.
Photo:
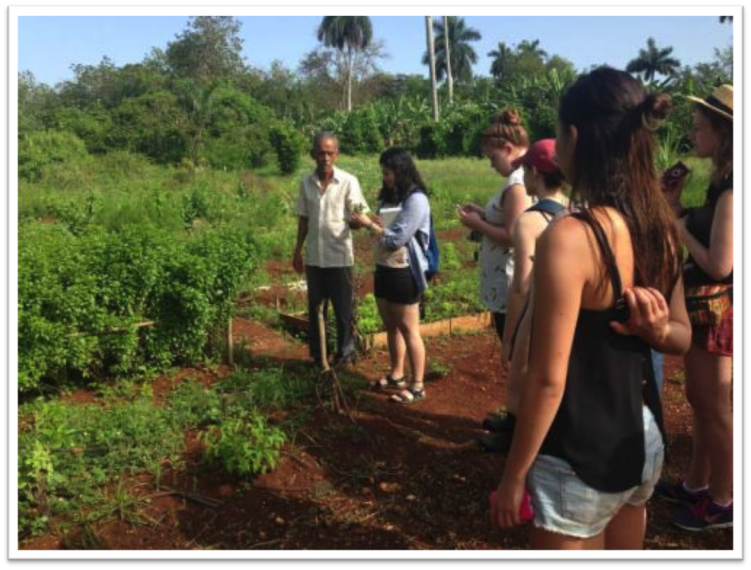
(302, 233)
(515, 201)
(678, 338)
(524, 248)
(559, 280)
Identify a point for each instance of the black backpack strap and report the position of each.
(547, 215)
(547, 206)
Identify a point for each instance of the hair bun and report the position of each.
(655, 110)
(510, 117)
(661, 106)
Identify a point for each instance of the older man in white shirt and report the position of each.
(328, 198)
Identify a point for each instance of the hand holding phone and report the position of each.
(526, 511)
(674, 177)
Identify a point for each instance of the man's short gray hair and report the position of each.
(321, 136)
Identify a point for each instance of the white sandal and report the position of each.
(409, 395)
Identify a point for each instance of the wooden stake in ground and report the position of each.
(328, 373)
(230, 352)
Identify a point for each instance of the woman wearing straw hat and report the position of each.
(707, 233)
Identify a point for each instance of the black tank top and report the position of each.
(699, 224)
(599, 428)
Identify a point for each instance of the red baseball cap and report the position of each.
(541, 155)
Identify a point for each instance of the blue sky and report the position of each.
(49, 45)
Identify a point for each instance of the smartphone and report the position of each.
(622, 313)
(526, 512)
(674, 175)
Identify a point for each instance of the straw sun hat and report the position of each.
(720, 101)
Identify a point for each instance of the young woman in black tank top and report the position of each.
(588, 450)
(707, 232)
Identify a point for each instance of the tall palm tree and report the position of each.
(463, 56)
(200, 97)
(532, 49)
(449, 75)
(501, 60)
(431, 62)
(654, 61)
(349, 35)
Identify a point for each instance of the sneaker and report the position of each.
(499, 423)
(677, 493)
(496, 442)
(705, 515)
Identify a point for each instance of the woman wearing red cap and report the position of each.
(544, 181)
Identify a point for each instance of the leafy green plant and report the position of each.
(71, 452)
(244, 446)
(438, 369)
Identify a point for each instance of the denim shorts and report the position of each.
(564, 504)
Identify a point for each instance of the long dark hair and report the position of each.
(408, 178)
(614, 166)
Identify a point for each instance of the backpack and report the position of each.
(547, 207)
(433, 254)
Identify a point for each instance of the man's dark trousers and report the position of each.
(335, 284)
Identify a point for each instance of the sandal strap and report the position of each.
(387, 381)
(409, 394)
(413, 389)
(391, 381)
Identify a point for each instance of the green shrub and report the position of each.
(79, 297)
(246, 147)
(93, 126)
(456, 134)
(288, 144)
(122, 163)
(41, 149)
(431, 143)
(152, 124)
(360, 133)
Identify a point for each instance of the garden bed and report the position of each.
(298, 322)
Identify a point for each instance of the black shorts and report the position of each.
(396, 285)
